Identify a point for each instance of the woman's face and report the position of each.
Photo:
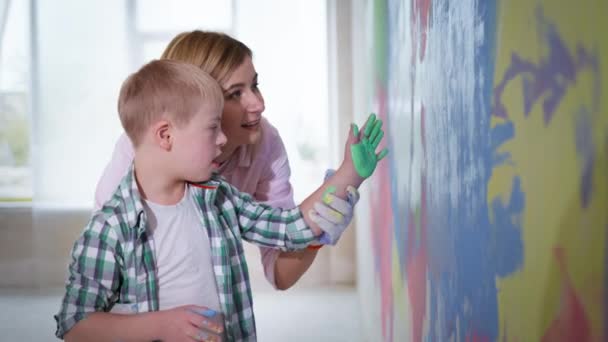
(243, 107)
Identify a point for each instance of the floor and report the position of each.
(317, 314)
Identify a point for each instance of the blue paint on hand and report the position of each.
(209, 313)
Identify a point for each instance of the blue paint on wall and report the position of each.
(465, 255)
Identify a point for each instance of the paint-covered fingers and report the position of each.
(375, 140)
(334, 214)
(330, 214)
(331, 231)
(363, 153)
(326, 225)
(381, 154)
(337, 209)
(375, 133)
(208, 319)
(369, 125)
(366, 130)
(355, 132)
(185, 323)
(352, 195)
(202, 335)
(334, 208)
(206, 336)
(210, 324)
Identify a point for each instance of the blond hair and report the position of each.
(166, 89)
(216, 53)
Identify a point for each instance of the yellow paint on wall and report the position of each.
(402, 320)
(546, 159)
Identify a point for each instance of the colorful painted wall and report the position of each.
(489, 221)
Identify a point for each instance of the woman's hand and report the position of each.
(360, 152)
(363, 152)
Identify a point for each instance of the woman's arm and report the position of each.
(284, 269)
(360, 159)
(122, 157)
(290, 266)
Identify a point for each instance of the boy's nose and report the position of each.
(221, 139)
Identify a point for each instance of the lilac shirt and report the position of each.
(261, 170)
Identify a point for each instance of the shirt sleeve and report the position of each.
(122, 158)
(274, 188)
(284, 229)
(93, 277)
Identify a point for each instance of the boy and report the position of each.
(170, 237)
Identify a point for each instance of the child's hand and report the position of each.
(189, 322)
(363, 150)
(334, 214)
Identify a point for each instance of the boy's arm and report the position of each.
(93, 276)
(102, 326)
(94, 279)
(184, 323)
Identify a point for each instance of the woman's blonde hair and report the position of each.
(216, 53)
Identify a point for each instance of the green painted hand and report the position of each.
(363, 153)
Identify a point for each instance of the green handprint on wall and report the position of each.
(363, 153)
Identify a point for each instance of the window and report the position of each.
(289, 43)
(15, 179)
(153, 23)
(62, 64)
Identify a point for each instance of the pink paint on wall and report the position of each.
(382, 233)
(417, 268)
(571, 322)
(417, 257)
(420, 21)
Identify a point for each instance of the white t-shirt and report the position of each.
(182, 252)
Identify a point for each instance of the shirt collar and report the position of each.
(133, 201)
(134, 209)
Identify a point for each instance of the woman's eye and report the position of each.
(234, 95)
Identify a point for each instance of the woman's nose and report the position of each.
(255, 103)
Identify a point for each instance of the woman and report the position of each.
(254, 158)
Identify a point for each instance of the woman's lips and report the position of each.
(252, 124)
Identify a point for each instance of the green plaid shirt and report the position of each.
(112, 262)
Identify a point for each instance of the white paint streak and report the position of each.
(445, 83)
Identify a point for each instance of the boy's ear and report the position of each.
(163, 134)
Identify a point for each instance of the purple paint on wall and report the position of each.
(549, 78)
